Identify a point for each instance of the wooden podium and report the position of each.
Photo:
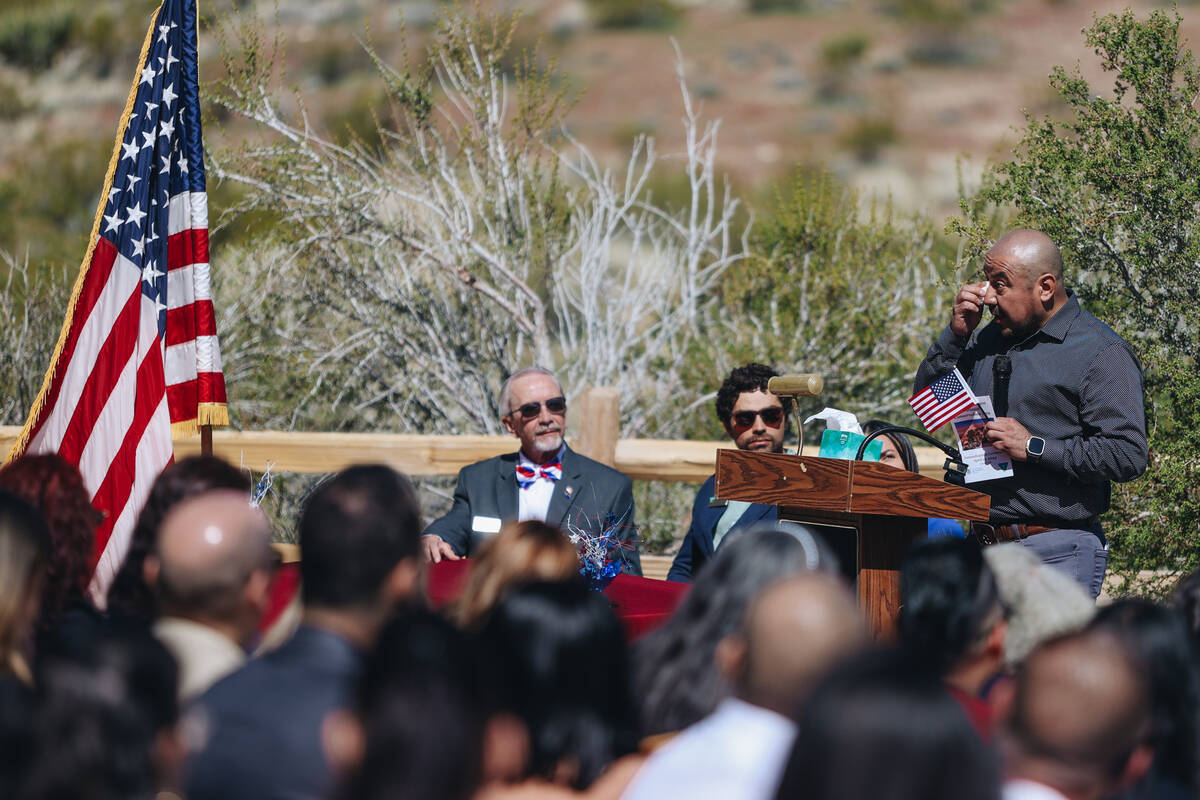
(887, 507)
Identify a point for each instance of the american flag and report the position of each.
(137, 357)
(942, 400)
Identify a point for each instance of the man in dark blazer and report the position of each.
(544, 480)
(360, 540)
(755, 420)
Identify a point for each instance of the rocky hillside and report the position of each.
(893, 96)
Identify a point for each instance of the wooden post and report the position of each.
(597, 415)
(206, 440)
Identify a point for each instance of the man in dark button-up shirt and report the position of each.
(1075, 419)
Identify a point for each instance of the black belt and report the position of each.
(988, 533)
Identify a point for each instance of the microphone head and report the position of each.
(796, 385)
(1002, 365)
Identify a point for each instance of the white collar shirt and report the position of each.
(533, 501)
(736, 753)
(204, 655)
(1021, 789)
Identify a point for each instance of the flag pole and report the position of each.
(206, 440)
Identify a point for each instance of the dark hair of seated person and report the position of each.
(422, 714)
(1186, 600)
(881, 727)
(1157, 637)
(903, 446)
(129, 596)
(750, 378)
(675, 673)
(24, 548)
(556, 657)
(948, 601)
(99, 721)
(354, 529)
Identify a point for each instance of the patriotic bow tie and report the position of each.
(526, 476)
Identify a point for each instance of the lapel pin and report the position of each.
(568, 490)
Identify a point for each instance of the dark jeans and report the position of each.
(1082, 555)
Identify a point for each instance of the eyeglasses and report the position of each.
(770, 416)
(555, 405)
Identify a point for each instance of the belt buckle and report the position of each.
(984, 538)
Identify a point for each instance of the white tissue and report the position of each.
(837, 420)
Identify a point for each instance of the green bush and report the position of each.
(844, 50)
(49, 204)
(764, 6)
(868, 136)
(12, 105)
(31, 38)
(633, 13)
(838, 287)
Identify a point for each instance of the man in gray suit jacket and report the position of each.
(544, 480)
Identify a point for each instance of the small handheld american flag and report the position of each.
(942, 400)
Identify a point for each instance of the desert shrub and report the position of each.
(31, 37)
(835, 286)
(32, 300)
(50, 202)
(12, 105)
(633, 13)
(764, 6)
(868, 136)
(844, 50)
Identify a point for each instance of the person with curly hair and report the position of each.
(68, 621)
(755, 420)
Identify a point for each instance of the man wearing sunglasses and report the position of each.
(1068, 396)
(544, 480)
(755, 420)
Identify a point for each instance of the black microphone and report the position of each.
(1001, 372)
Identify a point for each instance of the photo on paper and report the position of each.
(984, 462)
(971, 432)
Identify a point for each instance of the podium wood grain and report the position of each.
(829, 484)
(887, 507)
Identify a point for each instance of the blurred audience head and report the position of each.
(521, 552)
(951, 616)
(104, 724)
(212, 562)
(1042, 602)
(881, 726)
(897, 449)
(1186, 599)
(675, 674)
(417, 726)
(1157, 639)
(360, 533)
(129, 596)
(792, 634)
(24, 548)
(556, 657)
(1080, 717)
(55, 488)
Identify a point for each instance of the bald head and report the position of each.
(794, 631)
(208, 547)
(1031, 253)
(1081, 707)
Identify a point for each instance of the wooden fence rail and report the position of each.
(640, 459)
